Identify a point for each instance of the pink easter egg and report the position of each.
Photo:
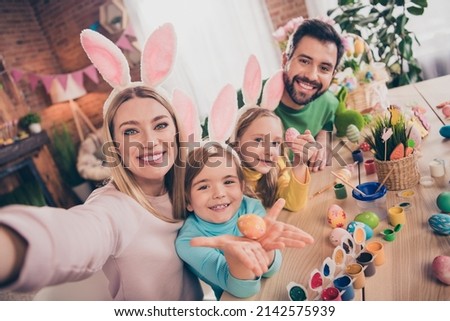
(446, 111)
(336, 216)
(441, 268)
(291, 134)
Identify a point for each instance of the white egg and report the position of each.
(338, 234)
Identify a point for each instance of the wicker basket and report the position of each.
(368, 94)
(405, 175)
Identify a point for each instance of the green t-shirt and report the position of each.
(315, 116)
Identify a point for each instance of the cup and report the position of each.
(369, 166)
(366, 260)
(396, 215)
(344, 285)
(377, 249)
(437, 167)
(357, 156)
(373, 202)
(356, 272)
(340, 191)
(331, 294)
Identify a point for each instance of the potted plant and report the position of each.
(31, 122)
(393, 143)
(383, 25)
(65, 154)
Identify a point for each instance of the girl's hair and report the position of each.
(199, 159)
(123, 179)
(267, 187)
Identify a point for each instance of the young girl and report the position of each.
(209, 241)
(258, 139)
(128, 227)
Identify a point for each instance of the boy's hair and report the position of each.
(123, 179)
(267, 187)
(199, 158)
(319, 30)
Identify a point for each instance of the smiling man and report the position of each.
(309, 64)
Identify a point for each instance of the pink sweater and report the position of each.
(111, 231)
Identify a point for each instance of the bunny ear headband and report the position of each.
(251, 88)
(157, 59)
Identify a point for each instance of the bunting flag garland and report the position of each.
(78, 76)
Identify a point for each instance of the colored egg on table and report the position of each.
(352, 133)
(353, 224)
(443, 202)
(440, 223)
(336, 216)
(445, 131)
(251, 226)
(446, 111)
(441, 268)
(337, 234)
(369, 218)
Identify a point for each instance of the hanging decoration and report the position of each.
(77, 76)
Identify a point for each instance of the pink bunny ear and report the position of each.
(106, 57)
(223, 115)
(273, 90)
(251, 87)
(187, 115)
(158, 55)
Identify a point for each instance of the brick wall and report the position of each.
(282, 11)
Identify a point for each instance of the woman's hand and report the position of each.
(246, 258)
(280, 235)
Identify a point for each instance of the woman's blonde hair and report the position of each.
(199, 158)
(123, 179)
(267, 187)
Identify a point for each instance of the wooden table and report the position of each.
(406, 275)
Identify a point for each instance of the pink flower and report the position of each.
(280, 34)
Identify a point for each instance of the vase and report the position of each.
(404, 175)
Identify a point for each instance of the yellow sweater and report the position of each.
(294, 192)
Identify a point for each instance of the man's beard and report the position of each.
(297, 97)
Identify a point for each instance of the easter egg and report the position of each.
(345, 173)
(353, 224)
(337, 234)
(445, 131)
(352, 133)
(291, 134)
(443, 202)
(251, 226)
(446, 111)
(441, 268)
(336, 216)
(440, 223)
(369, 218)
(414, 134)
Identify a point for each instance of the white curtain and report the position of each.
(215, 39)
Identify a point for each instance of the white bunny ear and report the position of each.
(251, 88)
(158, 55)
(223, 115)
(187, 115)
(273, 90)
(106, 57)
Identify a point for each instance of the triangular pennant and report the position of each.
(124, 43)
(91, 72)
(16, 74)
(33, 80)
(78, 77)
(47, 81)
(62, 78)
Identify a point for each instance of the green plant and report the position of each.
(382, 148)
(65, 154)
(382, 23)
(28, 119)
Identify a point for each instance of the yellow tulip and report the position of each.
(359, 46)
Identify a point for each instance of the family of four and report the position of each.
(168, 216)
